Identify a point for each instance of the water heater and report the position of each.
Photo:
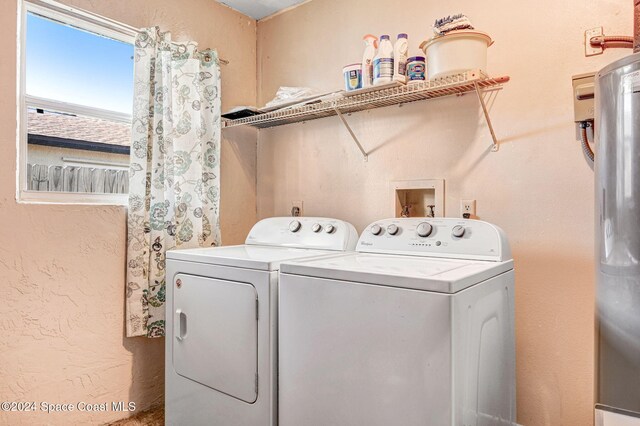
(617, 167)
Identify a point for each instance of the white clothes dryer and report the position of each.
(414, 328)
(221, 321)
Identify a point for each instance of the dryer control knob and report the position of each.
(294, 226)
(457, 231)
(330, 229)
(316, 227)
(376, 229)
(424, 229)
(392, 229)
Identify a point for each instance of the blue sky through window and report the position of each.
(71, 65)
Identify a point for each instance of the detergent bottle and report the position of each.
(371, 44)
(383, 62)
(400, 50)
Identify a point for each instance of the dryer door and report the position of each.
(215, 337)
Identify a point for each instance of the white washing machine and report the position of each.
(221, 321)
(414, 328)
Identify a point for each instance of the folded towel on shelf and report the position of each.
(450, 23)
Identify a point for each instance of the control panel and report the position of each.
(436, 237)
(304, 232)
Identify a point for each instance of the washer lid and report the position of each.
(413, 272)
(244, 256)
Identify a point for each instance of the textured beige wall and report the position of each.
(62, 267)
(537, 187)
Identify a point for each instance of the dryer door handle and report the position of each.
(181, 324)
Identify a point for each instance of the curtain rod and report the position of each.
(110, 23)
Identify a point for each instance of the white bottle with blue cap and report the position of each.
(400, 50)
(383, 62)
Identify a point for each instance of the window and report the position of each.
(75, 100)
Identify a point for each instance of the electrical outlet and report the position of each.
(468, 207)
(590, 50)
(296, 208)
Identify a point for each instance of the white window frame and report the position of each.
(85, 21)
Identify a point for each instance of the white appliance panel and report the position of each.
(356, 354)
(233, 394)
(277, 239)
(416, 328)
(417, 272)
(484, 353)
(611, 418)
(188, 402)
(304, 232)
(262, 258)
(436, 237)
(215, 341)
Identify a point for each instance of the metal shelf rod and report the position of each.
(495, 146)
(353, 135)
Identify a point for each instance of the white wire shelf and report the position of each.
(429, 89)
(457, 84)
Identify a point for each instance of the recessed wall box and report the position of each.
(418, 198)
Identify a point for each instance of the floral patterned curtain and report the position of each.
(174, 184)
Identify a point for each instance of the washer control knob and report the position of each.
(376, 230)
(424, 229)
(392, 229)
(294, 226)
(317, 227)
(457, 231)
(330, 229)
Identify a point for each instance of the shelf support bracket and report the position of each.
(353, 135)
(495, 146)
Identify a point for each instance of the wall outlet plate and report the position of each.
(296, 208)
(468, 207)
(588, 35)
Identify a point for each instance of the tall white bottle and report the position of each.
(371, 44)
(400, 50)
(383, 62)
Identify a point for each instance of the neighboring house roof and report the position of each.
(78, 132)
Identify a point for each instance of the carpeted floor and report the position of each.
(152, 417)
